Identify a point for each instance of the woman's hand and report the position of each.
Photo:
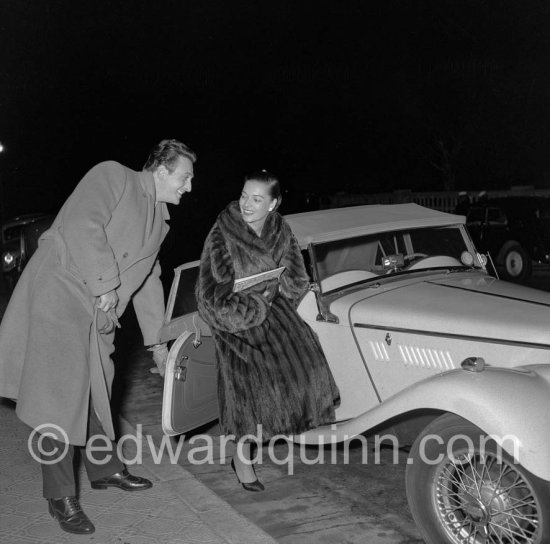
(267, 295)
(107, 301)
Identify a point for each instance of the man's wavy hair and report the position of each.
(167, 153)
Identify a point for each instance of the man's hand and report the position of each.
(160, 355)
(107, 301)
(111, 321)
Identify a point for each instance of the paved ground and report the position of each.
(323, 503)
(177, 510)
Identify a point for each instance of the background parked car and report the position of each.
(18, 241)
(514, 230)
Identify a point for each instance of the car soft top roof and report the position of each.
(338, 223)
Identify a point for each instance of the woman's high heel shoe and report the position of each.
(256, 485)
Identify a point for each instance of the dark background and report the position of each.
(357, 96)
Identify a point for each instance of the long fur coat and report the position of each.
(271, 368)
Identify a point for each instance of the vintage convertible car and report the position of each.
(423, 342)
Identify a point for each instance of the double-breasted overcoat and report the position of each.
(52, 359)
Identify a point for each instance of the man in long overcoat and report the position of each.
(57, 333)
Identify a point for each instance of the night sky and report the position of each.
(358, 96)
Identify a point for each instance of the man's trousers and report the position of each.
(58, 479)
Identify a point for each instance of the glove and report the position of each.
(160, 356)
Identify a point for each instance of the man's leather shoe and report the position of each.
(68, 512)
(123, 480)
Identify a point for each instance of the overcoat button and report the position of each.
(125, 255)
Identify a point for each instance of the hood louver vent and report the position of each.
(432, 359)
(426, 358)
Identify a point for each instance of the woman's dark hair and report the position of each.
(263, 176)
(167, 153)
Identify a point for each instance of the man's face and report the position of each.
(172, 185)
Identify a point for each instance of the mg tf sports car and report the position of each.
(423, 341)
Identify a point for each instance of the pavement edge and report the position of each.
(213, 511)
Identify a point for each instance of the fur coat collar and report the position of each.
(249, 252)
(233, 250)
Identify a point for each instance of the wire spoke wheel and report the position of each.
(483, 499)
(469, 491)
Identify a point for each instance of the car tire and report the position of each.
(517, 263)
(481, 497)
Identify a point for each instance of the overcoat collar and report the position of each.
(155, 220)
(148, 183)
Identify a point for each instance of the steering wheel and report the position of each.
(346, 277)
(415, 255)
(434, 261)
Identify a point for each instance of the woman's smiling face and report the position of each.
(256, 203)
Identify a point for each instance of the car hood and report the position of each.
(463, 305)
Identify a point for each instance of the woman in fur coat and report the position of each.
(271, 369)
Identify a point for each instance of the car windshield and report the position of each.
(11, 233)
(342, 262)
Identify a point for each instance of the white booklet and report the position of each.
(249, 281)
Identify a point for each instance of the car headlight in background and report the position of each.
(9, 260)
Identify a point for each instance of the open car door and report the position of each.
(190, 386)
